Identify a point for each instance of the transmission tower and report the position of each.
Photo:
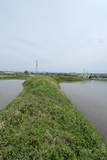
(36, 66)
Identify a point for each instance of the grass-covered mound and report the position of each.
(42, 124)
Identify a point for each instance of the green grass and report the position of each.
(62, 78)
(42, 124)
(15, 76)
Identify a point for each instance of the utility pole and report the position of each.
(83, 72)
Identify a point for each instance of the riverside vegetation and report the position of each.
(42, 124)
(14, 76)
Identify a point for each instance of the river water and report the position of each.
(9, 90)
(90, 97)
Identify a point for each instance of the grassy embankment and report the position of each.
(42, 124)
(67, 78)
(14, 76)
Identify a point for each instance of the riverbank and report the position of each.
(42, 124)
(22, 77)
(66, 78)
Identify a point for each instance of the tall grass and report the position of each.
(42, 124)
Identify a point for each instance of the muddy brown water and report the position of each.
(9, 90)
(90, 97)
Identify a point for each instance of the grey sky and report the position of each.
(64, 35)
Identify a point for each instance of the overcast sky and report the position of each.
(64, 35)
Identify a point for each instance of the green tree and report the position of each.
(26, 72)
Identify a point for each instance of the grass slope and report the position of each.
(42, 124)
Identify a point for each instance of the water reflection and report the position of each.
(9, 89)
(90, 97)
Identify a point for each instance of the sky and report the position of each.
(63, 35)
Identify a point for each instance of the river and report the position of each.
(90, 97)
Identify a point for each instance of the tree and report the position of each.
(26, 72)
